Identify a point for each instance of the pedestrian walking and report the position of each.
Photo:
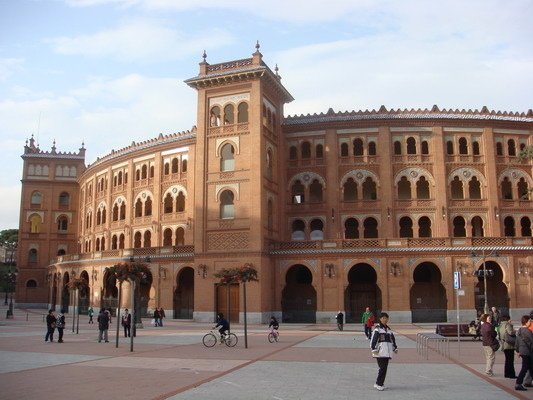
(527, 379)
(126, 323)
(367, 326)
(50, 326)
(496, 319)
(103, 325)
(524, 347)
(91, 313)
(383, 345)
(489, 341)
(156, 317)
(508, 335)
(340, 320)
(60, 325)
(161, 316)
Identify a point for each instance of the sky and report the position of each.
(109, 72)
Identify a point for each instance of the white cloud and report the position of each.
(9, 206)
(8, 66)
(141, 40)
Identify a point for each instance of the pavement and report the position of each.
(170, 362)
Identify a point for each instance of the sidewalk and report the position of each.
(170, 362)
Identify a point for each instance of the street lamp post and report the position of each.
(493, 253)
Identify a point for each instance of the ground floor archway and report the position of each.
(497, 293)
(362, 292)
(428, 295)
(184, 294)
(298, 298)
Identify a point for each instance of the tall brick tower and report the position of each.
(240, 110)
(48, 218)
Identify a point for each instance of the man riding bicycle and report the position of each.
(223, 323)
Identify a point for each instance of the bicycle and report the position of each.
(273, 336)
(211, 338)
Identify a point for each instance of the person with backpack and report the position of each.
(340, 320)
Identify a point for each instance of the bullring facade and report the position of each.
(336, 211)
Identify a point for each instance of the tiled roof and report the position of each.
(433, 113)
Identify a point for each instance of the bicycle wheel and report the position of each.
(231, 340)
(271, 337)
(277, 337)
(209, 340)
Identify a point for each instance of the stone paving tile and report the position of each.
(11, 361)
(349, 340)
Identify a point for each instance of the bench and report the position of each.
(451, 330)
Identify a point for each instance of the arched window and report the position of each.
(317, 229)
(214, 116)
(98, 217)
(123, 211)
(166, 169)
(404, 189)
(148, 207)
(298, 191)
(121, 241)
(344, 150)
(411, 145)
(397, 148)
(507, 189)
(424, 227)
(319, 151)
(406, 227)
(298, 230)
(477, 227)
(175, 165)
(114, 242)
(358, 147)
(151, 171)
(306, 150)
(351, 229)
(104, 215)
(499, 149)
(137, 240)
(36, 198)
(457, 188)
(138, 208)
(523, 189)
(350, 190)
(475, 148)
(511, 147)
(183, 165)
(147, 239)
(509, 228)
(227, 160)
(102, 244)
(227, 208)
(474, 188)
(459, 227)
(293, 153)
(425, 147)
(422, 188)
(242, 112)
(315, 192)
(31, 284)
(64, 199)
(229, 117)
(62, 224)
(167, 237)
(115, 212)
(525, 225)
(114, 181)
(61, 252)
(369, 189)
(269, 163)
(32, 255)
(144, 172)
(168, 204)
(180, 237)
(370, 228)
(449, 147)
(372, 149)
(138, 175)
(180, 202)
(35, 223)
(120, 178)
(463, 146)
(97, 244)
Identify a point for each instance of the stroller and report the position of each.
(474, 328)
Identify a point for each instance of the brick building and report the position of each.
(336, 211)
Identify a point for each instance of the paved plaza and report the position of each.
(170, 362)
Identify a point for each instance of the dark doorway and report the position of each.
(298, 298)
(234, 304)
(497, 295)
(362, 292)
(428, 295)
(184, 294)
